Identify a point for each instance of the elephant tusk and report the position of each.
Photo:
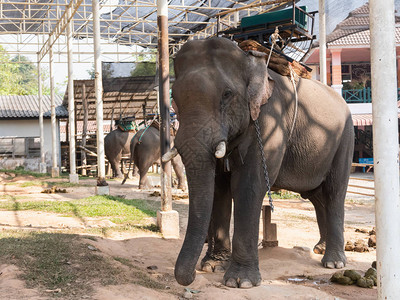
(221, 150)
(169, 155)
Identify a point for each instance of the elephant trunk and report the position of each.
(201, 181)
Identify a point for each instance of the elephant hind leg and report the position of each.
(316, 198)
(334, 192)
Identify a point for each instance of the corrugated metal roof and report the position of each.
(22, 107)
(123, 96)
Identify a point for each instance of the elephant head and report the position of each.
(219, 90)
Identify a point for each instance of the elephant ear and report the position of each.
(260, 84)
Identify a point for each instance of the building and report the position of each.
(349, 72)
(20, 132)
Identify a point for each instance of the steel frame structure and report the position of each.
(28, 27)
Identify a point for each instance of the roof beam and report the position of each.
(68, 14)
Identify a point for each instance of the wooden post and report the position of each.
(167, 219)
(270, 238)
(84, 129)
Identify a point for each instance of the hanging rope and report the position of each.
(293, 77)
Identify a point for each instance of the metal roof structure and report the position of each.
(42, 23)
(27, 107)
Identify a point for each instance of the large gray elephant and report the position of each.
(222, 93)
(145, 150)
(117, 144)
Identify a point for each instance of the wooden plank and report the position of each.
(270, 237)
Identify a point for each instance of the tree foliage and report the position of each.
(18, 76)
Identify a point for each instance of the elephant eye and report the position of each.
(227, 94)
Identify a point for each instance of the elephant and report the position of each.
(117, 144)
(241, 125)
(145, 150)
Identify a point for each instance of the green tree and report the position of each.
(18, 76)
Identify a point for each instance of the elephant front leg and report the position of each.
(248, 194)
(218, 255)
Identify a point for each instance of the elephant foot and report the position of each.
(334, 260)
(144, 186)
(217, 263)
(240, 276)
(182, 187)
(319, 248)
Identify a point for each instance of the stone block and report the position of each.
(102, 190)
(168, 222)
(73, 178)
(55, 172)
(42, 168)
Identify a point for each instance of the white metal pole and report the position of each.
(42, 163)
(73, 177)
(386, 147)
(322, 42)
(101, 169)
(54, 171)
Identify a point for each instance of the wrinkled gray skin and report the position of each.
(116, 145)
(219, 91)
(147, 151)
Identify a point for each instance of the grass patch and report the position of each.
(57, 261)
(64, 184)
(284, 194)
(22, 172)
(118, 210)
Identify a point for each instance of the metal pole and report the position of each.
(163, 59)
(386, 159)
(42, 164)
(167, 219)
(322, 42)
(73, 177)
(55, 172)
(101, 164)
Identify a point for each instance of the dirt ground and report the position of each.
(289, 271)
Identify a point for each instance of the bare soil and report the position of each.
(289, 271)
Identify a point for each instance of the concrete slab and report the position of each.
(168, 221)
(102, 190)
(42, 168)
(73, 178)
(55, 172)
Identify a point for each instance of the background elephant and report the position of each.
(117, 144)
(145, 150)
(222, 93)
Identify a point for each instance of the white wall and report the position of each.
(30, 128)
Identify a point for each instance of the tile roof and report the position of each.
(22, 107)
(359, 38)
(354, 30)
(364, 119)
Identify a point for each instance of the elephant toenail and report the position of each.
(330, 265)
(207, 268)
(231, 282)
(245, 284)
(219, 269)
(339, 265)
